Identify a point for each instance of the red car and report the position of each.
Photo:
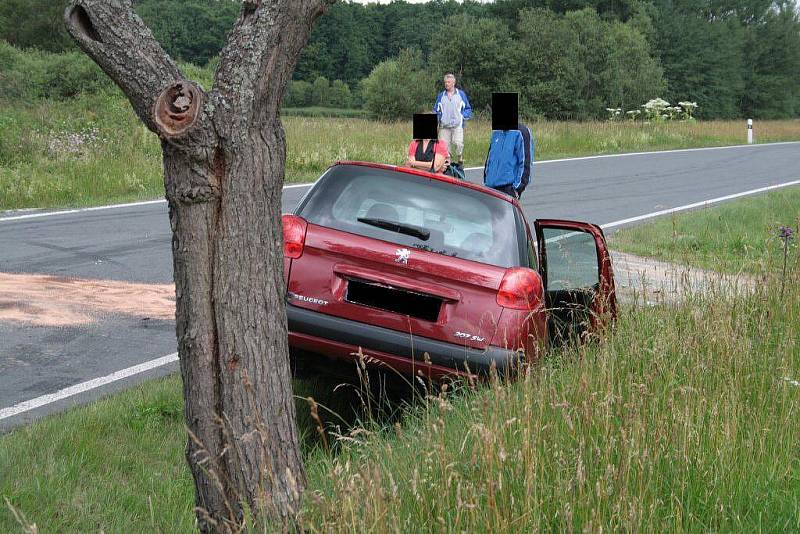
(423, 272)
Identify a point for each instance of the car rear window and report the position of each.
(455, 221)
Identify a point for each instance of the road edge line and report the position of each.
(100, 208)
(700, 204)
(652, 152)
(292, 186)
(71, 391)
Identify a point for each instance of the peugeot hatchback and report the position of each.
(424, 273)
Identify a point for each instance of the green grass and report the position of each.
(316, 111)
(90, 150)
(683, 418)
(49, 157)
(113, 465)
(118, 464)
(679, 420)
(734, 237)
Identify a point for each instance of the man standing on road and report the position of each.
(453, 108)
(507, 156)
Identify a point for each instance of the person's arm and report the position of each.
(519, 152)
(439, 162)
(527, 140)
(488, 157)
(441, 156)
(411, 152)
(437, 108)
(467, 111)
(422, 165)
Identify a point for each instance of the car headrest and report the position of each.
(477, 242)
(382, 211)
(436, 239)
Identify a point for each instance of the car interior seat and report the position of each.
(383, 211)
(436, 239)
(477, 243)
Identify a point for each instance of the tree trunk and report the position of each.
(224, 156)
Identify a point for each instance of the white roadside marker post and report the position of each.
(749, 131)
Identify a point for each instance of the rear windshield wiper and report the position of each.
(408, 229)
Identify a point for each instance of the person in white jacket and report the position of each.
(452, 107)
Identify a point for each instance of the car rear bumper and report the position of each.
(342, 338)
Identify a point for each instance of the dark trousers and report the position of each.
(508, 190)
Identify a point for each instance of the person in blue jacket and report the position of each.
(527, 168)
(452, 107)
(509, 161)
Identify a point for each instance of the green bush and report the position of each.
(398, 88)
(340, 96)
(574, 66)
(34, 74)
(35, 24)
(301, 94)
(320, 92)
(335, 113)
(298, 94)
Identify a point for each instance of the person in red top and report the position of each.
(426, 152)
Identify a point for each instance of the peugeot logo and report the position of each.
(402, 255)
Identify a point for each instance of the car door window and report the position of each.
(579, 280)
(571, 260)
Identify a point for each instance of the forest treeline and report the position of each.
(568, 59)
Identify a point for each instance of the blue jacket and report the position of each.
(527, 171)
(506, 159)
(466, 108)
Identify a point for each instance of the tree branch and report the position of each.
(113, 35)
(261, 54)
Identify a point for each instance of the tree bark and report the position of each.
(224, 156)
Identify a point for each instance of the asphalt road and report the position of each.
(132, 244)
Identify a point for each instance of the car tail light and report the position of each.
(294, 236)
(520, 289)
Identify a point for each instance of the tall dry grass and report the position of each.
(683, 418)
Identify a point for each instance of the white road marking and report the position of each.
(701, 204)
(626, 154)
(292, 186)
(71, 391)
(79, 210)
(44, 400)
(108, 207)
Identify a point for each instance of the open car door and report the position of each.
(579, 282)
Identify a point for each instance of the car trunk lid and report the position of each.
(406, 289)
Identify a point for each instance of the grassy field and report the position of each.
(684, 418)
(103, 467)
(733, 238)
(322, 112)
(93, 150)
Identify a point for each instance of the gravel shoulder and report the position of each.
(650, 281)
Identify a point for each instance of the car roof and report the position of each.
(434, 176)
